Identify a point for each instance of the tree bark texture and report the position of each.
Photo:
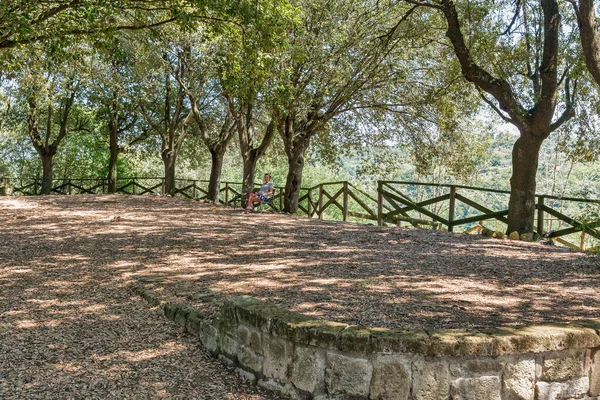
(249, 172)
(521, 206)
(46, 174)
(293, 182)
(214, 183)
(114, 155)
(169, 159)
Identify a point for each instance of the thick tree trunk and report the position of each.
(169, 161)
(250, 161)
(293, 182)
(112, 164)
(295, 150)
(521, 205)
(214, 184)
(46, 174)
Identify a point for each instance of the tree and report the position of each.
(50, 97)
(526, 88)
(210, 111)
(163, 100)
(338, 54)
(27, 22)
(246, 67)
(113, 88)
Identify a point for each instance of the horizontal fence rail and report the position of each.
(429, 205)
(453, 206)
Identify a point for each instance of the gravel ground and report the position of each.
(68, 325)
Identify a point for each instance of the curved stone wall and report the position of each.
(304, 358)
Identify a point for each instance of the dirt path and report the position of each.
(70, 329)
(69, 326)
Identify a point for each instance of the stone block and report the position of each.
(278, 355)
(519, 379)
(527, 237)
(348, 376)
(431, 380)
(595, 374)
(209, 336)
(229, 346)
(193, 324)
(170, 310)
(249, 359)
(469, 368)
(384, 340)
(250, 337)
(391, 378)
(573, 389)
(325, 334)
(226, 360)
(181, 316)
(246, 375)
(354, 339)
(286, 390)
(484, 387)
(561, 369)
(308, 369)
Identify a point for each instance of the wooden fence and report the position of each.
(438, 206)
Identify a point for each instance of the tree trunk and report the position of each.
(112, 164)
(214, 184)
(169, 161)
(590, 37)
(46, 174)
(293, 182)
(250, 161)
(521, 205)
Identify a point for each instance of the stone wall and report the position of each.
(303, 358)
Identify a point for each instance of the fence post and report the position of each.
(194, 191)
(226, 192)
(133, 185)
(162, 188)
(379, 203)
(451, 208)
(35, 186)
(103, 186)
(540, 219)
(309, 206)
(320, 202)
(69, 186)
(345, 201)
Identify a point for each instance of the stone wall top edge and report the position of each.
(303, 329)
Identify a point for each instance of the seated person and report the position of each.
(263, 193)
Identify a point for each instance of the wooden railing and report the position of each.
(230, 192)
(438, 206)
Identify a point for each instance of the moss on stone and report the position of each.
(355, 339)
(170, 310)
(301, 329)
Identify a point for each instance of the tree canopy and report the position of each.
(430, 84)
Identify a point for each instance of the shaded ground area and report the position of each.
(358, 274)
(70, 329)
